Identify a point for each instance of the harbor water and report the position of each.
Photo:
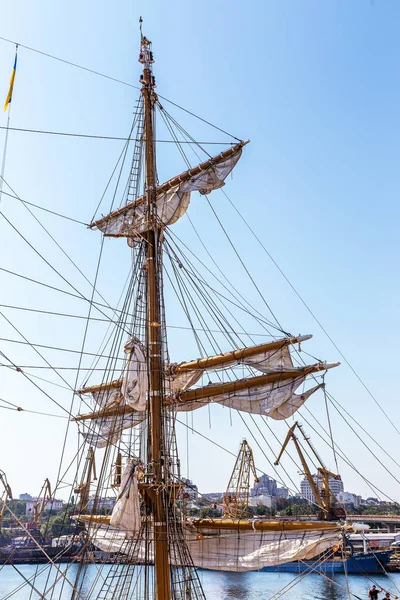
(217, 585)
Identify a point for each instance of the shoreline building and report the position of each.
(190, 490)
(102, 502)
(51, 504)
(266, 492)
(349, 499)
(336, 486)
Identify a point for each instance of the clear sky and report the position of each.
(315, 86)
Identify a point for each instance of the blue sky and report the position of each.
(315, 87)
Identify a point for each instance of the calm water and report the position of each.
(217, 586)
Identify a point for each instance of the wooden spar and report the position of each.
(212, 361)
(235, 524)
(162, 189)
(240, 354)
(153, 337)
(260, 525)
(103, 386)
(209, 391)
(231, 387)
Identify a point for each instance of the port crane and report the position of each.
(7, 493)
(38, 507)
(89, 475)
(323, 494)
(236, 497)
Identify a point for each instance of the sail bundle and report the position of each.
(251, 551)
(126, 512)
(130, 392)
(232, 550)
(122, 403)
(276, 400)
(172, 197)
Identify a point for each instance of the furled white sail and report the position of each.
(131, 392)
(172, 201)
(126, 512)
(180, 382)
(231, 550)
(252, 551)
(107, 397)
(276, 400)
(267, 362)
(108, 430)
(135, 381)
(271, 360)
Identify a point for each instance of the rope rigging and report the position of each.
(110, 137)
(213, 321)
(99, 74)
(311, 312)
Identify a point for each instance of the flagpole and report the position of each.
(3, 162)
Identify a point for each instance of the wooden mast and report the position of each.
(155, 364)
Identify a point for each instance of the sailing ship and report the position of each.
(129, 425)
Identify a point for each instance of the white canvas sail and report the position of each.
(252, 551)
(276, 400)
(233, 551)
(267, 362)
(106, 397)
(108, 430)
(173, 197)
(126, 512)
(135, 382)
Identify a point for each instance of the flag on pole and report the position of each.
(10, 91)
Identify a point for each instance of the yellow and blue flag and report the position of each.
(10, 91)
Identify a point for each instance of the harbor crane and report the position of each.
(236, 497)
(38, 507)
(7, 493)
(89, 475)
(323, 495)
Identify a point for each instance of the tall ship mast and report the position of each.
(153, 390)
(158, 492)
(148, 546)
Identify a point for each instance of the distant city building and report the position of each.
(371, 501)
(348, 498)
(190, 490)
(107, 503)
(51, 504)
(25, 497)
(282, 493)
(265, 492)
(213, 496)
(336, 486)
(265, 486)
(263, 500)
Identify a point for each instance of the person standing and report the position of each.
(373, 593)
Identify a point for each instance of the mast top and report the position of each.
(146, 55)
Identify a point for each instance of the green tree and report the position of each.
(210, 512)
(18, 507)
(263, 511)
(59, 524)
